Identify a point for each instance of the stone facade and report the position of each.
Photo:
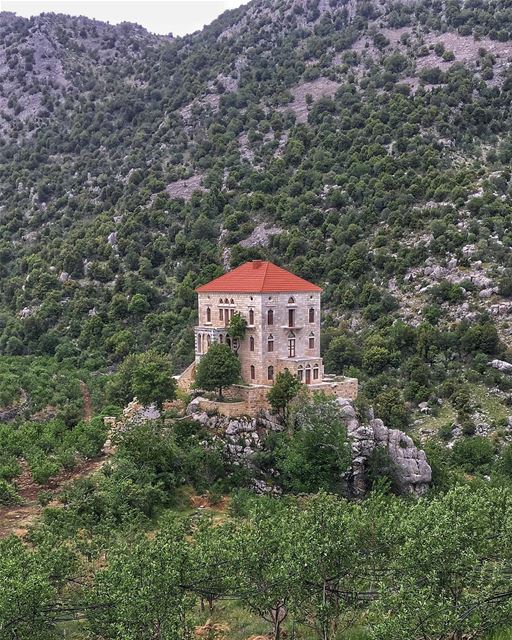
(282, 312)
(283, 332)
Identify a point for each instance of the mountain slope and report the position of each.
(364, 145)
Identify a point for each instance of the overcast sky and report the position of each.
(158, 16)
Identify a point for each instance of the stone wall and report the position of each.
(227, 409)
(253, 397)
(251, 400)
(340, 387)
(186, 379)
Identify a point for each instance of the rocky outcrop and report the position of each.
(413, 473)
(245, 436)
(7, 414)
(501, 365)
(242, 438)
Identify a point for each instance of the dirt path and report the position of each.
(86, 394)
(16, 519)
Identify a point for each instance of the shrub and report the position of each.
(473, 454)
(8, 494)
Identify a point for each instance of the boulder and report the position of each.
(487, 293)
(501, 365)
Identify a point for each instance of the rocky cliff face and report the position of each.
(244, 437)
(412, 469)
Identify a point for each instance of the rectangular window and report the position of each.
(221, 314)
(291, 317)
(291, 348)
(311, 343)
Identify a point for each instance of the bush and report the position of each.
(474, 455)
(8, 494)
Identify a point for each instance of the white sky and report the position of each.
(158, 16)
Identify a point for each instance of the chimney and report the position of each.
(256, 264)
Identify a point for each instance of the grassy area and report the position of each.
(506, 634)
(445, 415)
(490, 408)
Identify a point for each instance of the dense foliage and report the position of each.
(328, 565)
(398, 151)
(365, 146)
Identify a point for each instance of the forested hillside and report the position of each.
(365, 146)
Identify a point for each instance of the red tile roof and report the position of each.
(258, 276)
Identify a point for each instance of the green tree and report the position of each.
(451, 581)
(237, 329)
(218, 368)
(29, 593)
(285, 388)
(375, 359)
(148, 376)
(317, 453)
(140, 594)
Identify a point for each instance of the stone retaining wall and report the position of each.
(250, 400)
(185, 379)
(228, 409)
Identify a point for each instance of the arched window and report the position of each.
(270, 316)
(208, 314)
(311, 315)
(253, 372)
(198, 343)
(220, 300)
(221, 338)
(311, 341)
(221, 314)
(270, 343)
(232, 301)
(251, 316)
(251, 343)
(315, 372)
(291, 300)
(228, 342)
(208, 342)
(291, 345)
(270, 373)
(301, 373)
(308, 374)
(226, 301)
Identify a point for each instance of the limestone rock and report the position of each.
(501, 365)
(243, 437)
(413, 471)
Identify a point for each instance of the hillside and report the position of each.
(364, 145)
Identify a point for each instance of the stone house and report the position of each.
(282, 312)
